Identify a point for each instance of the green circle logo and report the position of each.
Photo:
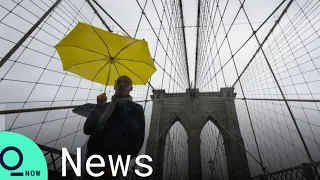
(21, 158)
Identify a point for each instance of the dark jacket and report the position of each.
(123, 133)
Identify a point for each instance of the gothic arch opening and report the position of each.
(175, 164)
(223, 117)
(213, 161)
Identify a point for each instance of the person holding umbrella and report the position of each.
(117, 127)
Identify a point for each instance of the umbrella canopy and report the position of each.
(102, 56)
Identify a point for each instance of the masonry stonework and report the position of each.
(193, 110)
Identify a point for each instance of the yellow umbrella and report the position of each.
(102, 56)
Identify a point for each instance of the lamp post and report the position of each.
(211, 167)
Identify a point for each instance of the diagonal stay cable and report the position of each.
(249, 115)
(298, 19)
(56, 95)
(161, 134)
(266, 20)
(291, 77)
(117, 24)
(33, 124)
(111, 17)
(214, 114)
(184, 42)
(264, 40)
(215, 41)
(61, 137)
(210, 32)
(32, 82)
(217, 54)
(170, 22)
(92, 85)
(170, 142)
(215, 35)
(156, 140)
(136, 31)
(138, 26)
(167, 127)
(213, 132)
(197, 44)
(26, 35)
(174, 156)
(278, 85)
(37, 82)
(204, 121)
(98, 14)
(149, 22)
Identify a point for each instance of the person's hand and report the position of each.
(102, 99)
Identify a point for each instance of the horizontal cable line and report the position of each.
(218, 49)
(233, 136)
(17, 102)
(14, 111)
(288, 129)
(59, 59)
(191, 26)
(270, 99)
(265, 143)
(256, 78)
(287, 117)
(159, 39)
(58, 85)
(263, 42)
(48, 121)
(289, 51)
(288, 69)
(161, 134)
(56, 140)
(27, 20)
(129, 35)
(168, 38)
(168, 74)
(281, 38)
(215, 35)
(274, 87)
(32, 49)
(240, 47)
(50, 70)
(272, 141)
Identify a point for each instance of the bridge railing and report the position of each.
(306, 171)
(53, 157)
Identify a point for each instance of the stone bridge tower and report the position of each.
(200, 107)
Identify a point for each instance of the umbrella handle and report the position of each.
(105, 87)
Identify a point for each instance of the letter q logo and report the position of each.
(21, 158)
(11, 168)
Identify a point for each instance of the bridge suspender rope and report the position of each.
(200, 104)
(31, 30)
